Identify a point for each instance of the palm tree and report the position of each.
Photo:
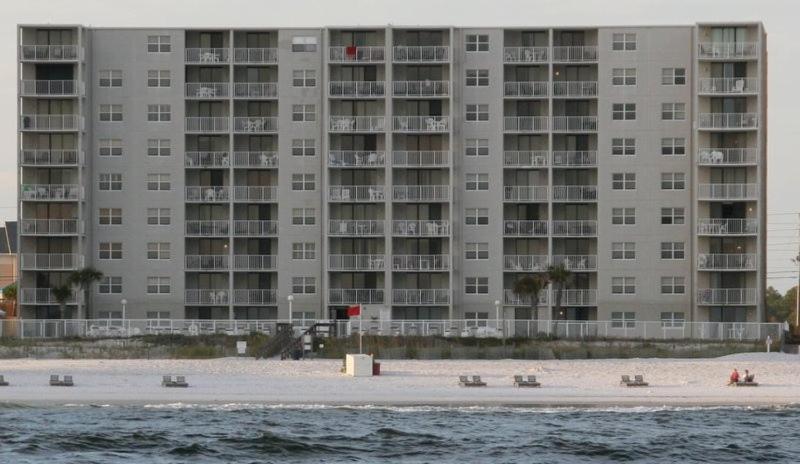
(559, 276)
(10, 295)
(530, 287)
(61, 294)
(84, 278)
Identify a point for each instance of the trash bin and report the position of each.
(376, 368)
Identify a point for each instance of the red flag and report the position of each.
(354, 310)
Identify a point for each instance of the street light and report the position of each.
(123, 302)
(290, 298)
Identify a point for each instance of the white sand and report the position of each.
(237, 380)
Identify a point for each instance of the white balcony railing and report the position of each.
(254, 228)
(255, 124)
(355, 295)
(574, 54)
(525, 263)
(368, 262)
(357, 124)
(575, 89)
(207, 194)
(255, 193)
(426, 88)
(355, 193)
(218, 228)
(525, 54)
(51, 227)
(713, 226)
(576, 262)
(357, 54)
(525, 158)
(49, 52)
(50, 122)
(355, 89)
(577, 297)
(255, 159)
(35, 157)
(727, 85)
(51, 192)
(207, 262)
(206, 55)
(255, 55)
(420, 159)
(356, 159)
(727, 262)
(207, 124)
(44, 296)
(421, 193)
(727, 156)
(420, 228)
(421, 123)
(728, 121)
(255, 297)
(255, 262)
(421, 54)
(525, 89)
(727, 296)
(511, 298)
(49, 88)
(425, 296)
(574, 158)
(207, 90)
(207, 159)
(574, 123)
(726, 191)
(727, 50)
(526, 123)
(574, 228)
(521, 193)
(356, 227)
(574, 192)
(206, 296)
(421, 262)
(255, 90)
(51, 261)
(525, 228)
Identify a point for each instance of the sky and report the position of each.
(779, 17)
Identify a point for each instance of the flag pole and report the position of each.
(360, 330)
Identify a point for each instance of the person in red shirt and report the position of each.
(734, 377)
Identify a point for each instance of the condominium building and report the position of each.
(238, 173)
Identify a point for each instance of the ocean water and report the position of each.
(242, 433)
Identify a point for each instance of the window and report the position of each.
(109, 147)
(302, 182)
(158, 44)
(158, 182)
(304, 44)
(159, 113)
(673, 286)
(673, 111)
(109, 216)
(623, 146)
(477, 250)
(477, 42)
(110, 250)
(158, 78)
(477, 112)
(623, 181)
(673, 181)
(304, 78)
(623, 320)
(476, 216)
(304, 147)
(303, 113)
(626, 216)
(303, 216)
(623, 250)
(109, 284)
(623, 76)
(157, 315)
(623, 41)
(110, 78)
(477, 147)
(672, 250)
(672, 216)
(304, 285)
(477, 181)
(158, 250)
(623, 111)
(673, 76)
(673, 319)
(158, 285)
(304, 250)
(110, 113)
(158, 216)
(623, 285)
(158, 147)
(477, 78)
(673, 146)
(476, 285)
(110, 182)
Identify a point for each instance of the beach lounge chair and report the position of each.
(3, 382)
(55, 381)
(179, 382)
(68, 381)
(464, 381)
(637, 382)
(520, 382)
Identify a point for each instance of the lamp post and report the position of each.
(290, 298)
(124, 303)
(497, 313)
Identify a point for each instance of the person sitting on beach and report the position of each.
(748, 377)
(734, 377)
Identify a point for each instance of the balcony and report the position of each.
(726, 191)
(427, 296)
(67, 52)
(574, 124)
(51, 227)
(727, 227)
(525, 54)
(727, 296)
(419, 89)
(356, 193)
(525, 158)
(255, 159)
(511, 298)
(51, 192)
(255, 90)
(51, 122)
(423, 124)
(255, 228)
(525, 263)
(206, 262)
(355, 295)
(255, 262)
(356, 227)
(357, 89)
(50, 158)
(206, 55)
(218, 228)
(574, 158)
(421, 193)
(524, 228)
(207, 159)
(357, 54)
(255, 297)
(255, 194)
(728, 121)
(344, 124)
(44, 296)
(255, 124)
(255, 55)
(369, 262)
(574, 228)
(578, 193)
(420, 159)
(420, 228)
(356, 159)
(728, 86)
(727, 156)
(206, 90)
(574, 54)
(575, 89)
(206, 296)
(207, 194)
(50, 261)
(727, 262)
(727, 50)
(49, 88)
(207, 124)
(576, 263)
(525, 89)
(524, 193)
(526, 124)
(434, 263)
(578, 297)
(421, 54)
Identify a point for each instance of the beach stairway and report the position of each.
(288, 345)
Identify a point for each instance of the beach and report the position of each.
(673, 382)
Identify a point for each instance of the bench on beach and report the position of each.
(638, 381)
(56, 381)
(3, 382)
(464, 381)
(178, 382)
(520, 382)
